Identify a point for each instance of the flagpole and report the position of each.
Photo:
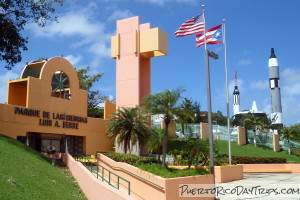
(227, 92)
(211, 142)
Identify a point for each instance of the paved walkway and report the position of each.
(264, 181)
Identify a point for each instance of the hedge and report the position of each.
(130, 159)
(257, 160)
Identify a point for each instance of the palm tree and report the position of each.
(254, 123)
(130, 127)
(196, 147)
(165, 103)
(288, 133)
(155, 141)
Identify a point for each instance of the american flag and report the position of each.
(213, 36)
(191, 26)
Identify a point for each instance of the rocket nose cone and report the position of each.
(272, 53)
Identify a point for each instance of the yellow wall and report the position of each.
(109, 109)
(17, 93)
(35, 94)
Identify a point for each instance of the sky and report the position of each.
(252, 28)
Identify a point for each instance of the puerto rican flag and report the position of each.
(213, 36)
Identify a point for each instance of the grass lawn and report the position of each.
(27, 175)
(250, 150)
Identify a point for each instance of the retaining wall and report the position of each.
(93, 188)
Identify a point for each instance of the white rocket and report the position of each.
(274, 81)
(236, 96)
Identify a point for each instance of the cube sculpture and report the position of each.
(132, 47)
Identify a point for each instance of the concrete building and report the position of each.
(46, 107)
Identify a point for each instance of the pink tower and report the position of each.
(132, 47)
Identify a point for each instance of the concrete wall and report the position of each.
(204, 130)
(172, 186)
(276, 145)
(35, 94)
(241, 136)
(133, 150)
(93, 188)
(109, 109)
(13, 125)
(142, 189)
(132, 47)
(228, 173)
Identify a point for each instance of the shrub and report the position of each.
(130, 159)
(256, 160)
(171, 173)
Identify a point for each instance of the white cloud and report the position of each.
(120, 14)
(81, 26)
(244, 62)
(74, 59)
(290, 108)
(266, 107)
(260, 85)
(70, 24)
(290, 82)
(291, 89)
(9, 75)
(291, 75)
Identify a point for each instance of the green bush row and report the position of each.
(165, 172)
(130, 159)
(256, 160)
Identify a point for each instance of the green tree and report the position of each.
(130, 127)
(196, 147)
(289, 133)
(14, 15)
(186, 114)
(217, 118)
(165, 103)
(86, 82)
(297, 132)
(255, 123)
(197, 111)
(155, 141)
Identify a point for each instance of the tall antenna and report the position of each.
(235, 78)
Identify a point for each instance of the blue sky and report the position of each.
(252, 29)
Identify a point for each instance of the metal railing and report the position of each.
(264, 139)
(295, 146)
(136, 176)
(93, 167)
(221, 133)
(190, 130)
